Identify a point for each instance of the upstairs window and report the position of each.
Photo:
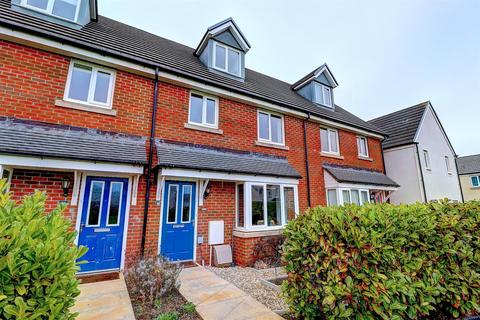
(89, 84)
(329, 141)
(475, 181)
(203, 110)
(362, 145)
(323, 95)
(426, 158)
(226, 59)
(270, 128)
(65, 9)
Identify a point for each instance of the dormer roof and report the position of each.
(219, 28)
(323, 69)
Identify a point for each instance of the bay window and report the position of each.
(342, 196)
(265, 206)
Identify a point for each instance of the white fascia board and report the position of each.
(221, 28)
(201, 174)
(315, 75)
(122, 64)
(61, 164)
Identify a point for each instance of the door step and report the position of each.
(98, 277)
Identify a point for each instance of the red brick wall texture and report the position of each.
(31, 80)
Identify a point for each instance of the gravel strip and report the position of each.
(248, 279)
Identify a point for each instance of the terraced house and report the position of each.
(163, 148)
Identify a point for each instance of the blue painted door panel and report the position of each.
(178, 220)
(102, 222)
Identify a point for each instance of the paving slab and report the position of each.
(104, 300)
(218, 299)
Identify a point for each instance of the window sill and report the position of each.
(331, 155)
(85, 107)
(202, 128)
(365, 158)
(257, 233)
(271, 145)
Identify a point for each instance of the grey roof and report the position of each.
(469, 164)
(26, 137)
(359, 176)
(311, 74)
(191, 156)
(115, 38)
(401, 126)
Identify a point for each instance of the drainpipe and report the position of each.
(150, 160)
(306, 158)
(458, 177)
(421, 174)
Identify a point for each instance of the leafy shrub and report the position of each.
(188, 307)
(150, 278)
(37, 260)
(168, 316)
(384, 261)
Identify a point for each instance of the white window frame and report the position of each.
(448, 165)
(227, 48)
(336, 194)
(119, 204)
(205, 97)
(10, 175)
(341, 201)
(191, 203)
(269, 140)
(322, 89)
(359, 140)
(87, 224)
(168, 203)
(426, 160)
(478, 179)
(247, 205)
(49, 9)
(91, 89)
(329, 142)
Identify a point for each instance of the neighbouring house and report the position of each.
(162, 148)
(418, 155)
(469, 173)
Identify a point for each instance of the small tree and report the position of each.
(37, 260)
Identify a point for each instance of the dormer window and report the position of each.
(226, 59)
(64, 9)
(323, 95)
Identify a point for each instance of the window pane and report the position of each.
(274, 207)
(95, 206)
(447, 163)
(233, 62)
(41, 4)
(332, 197)
(115, 200)
(220, 53)
(5, 174)
(196, 108)
(101, 87)
(365, 197)
(240, 206)
(327, 96)
(257, 206)
(362, 146)
(172, 203)
(211, 111)
(346, 196)
(318, 93)
(187, 203)
(277, 135)
(333, 141)
(80, 82)
(427, 159)
(289, 203)
(475, 181)
(324, 140)
(263, 125)
(355, 197)
(65, 8)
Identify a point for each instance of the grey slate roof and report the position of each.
(190, 156)
(469, 164)
(400, 126)
(115, 38)
(359, 176)
(26, 137)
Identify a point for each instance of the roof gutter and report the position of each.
(150, 160)
(307, 166)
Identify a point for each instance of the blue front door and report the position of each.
(102, 223)
(178, 220)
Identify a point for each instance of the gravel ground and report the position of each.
(248, 279)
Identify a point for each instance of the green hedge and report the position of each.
(37, 260)
(384, 261)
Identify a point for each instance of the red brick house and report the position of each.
(162, 148)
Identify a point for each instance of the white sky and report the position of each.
(386, 55)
